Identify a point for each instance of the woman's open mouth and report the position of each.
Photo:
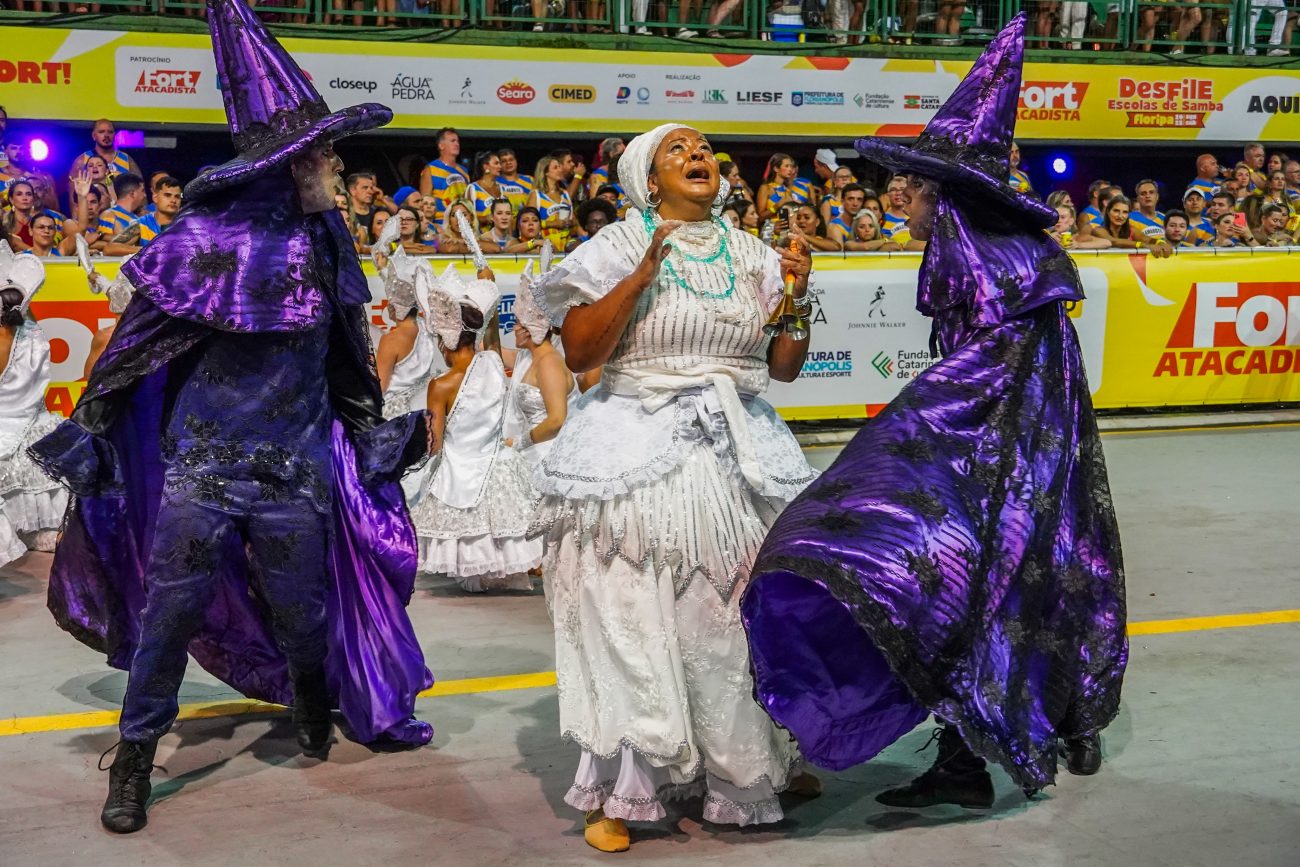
(699, 173)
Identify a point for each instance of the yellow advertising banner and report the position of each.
(146, 78)
(1196, 329)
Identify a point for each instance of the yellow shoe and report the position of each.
(606, 834)
(805, 786)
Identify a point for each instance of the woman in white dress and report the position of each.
(541, 386)
(473, 515)
(407, 357)
(658, 493)
(31, 505)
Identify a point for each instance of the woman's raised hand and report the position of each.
(657, 251)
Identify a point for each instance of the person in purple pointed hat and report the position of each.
(235, 485)
(961, 557)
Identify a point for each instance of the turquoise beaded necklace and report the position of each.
(723, 252)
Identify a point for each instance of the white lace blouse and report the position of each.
(689, 367)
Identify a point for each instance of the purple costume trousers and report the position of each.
(200, 529)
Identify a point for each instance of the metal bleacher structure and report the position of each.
(1223, 32)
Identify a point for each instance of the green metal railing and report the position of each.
(1168, 27)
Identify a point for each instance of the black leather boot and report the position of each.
(128, 787)
(1082, 755)
(957, 776)
(311, 713)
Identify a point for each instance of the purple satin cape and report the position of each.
(961, 557)
(108, 454)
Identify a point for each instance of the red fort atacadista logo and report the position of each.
(169, 81)
(1235, 329)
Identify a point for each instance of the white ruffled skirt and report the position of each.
(651, 656)
(485, 547)
(31, 504)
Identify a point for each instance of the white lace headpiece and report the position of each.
(22, 271)
(527, 311)
(638, 161)
(398, 273)
(440, 300)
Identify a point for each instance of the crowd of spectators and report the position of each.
(1174, 27)
(1254, 202)
(109, 203)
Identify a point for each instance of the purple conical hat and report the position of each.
(274, 111)
(967, 145)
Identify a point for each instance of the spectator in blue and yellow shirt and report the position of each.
(894, 220)
(167, 203)
(607, 172)
(517, 187)
(486, 188)
(782, 187)
(118, 162)
(852, 199)
(1148, 222)
(1091, 215)
(1018, 180)
(552, 200)
(128, 190)
(1275, 190)
(1209, 176)
(1291, 170)
(443, 178)
(831, 204)
(1252, 157)
(1200, 229)
(866, 237)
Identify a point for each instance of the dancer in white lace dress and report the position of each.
(473, 515)
(31, 505)
(658, 492)
(541, 386)
(407, 357)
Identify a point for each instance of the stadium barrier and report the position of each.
(1200, 328)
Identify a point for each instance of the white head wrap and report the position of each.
(23, 271)
(440, 300)
(637, 162)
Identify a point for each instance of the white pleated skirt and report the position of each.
(651, 657)
(31, 504)
(485, 547)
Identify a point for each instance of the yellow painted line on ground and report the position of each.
(1202, 428)
(536, 680)
(241, 706)
(1217, 621)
